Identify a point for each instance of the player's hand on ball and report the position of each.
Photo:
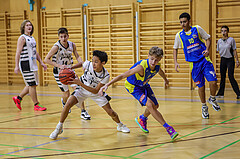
(75, 80)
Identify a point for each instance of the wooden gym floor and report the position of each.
(24, 134)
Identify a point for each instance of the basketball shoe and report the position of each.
(17, 102)
(213, 101)
(64, 105)
(205, 114)
(39, 107)
(173, 134)
(85, 115)
(56, 132)
(123, 128)
(142, 123)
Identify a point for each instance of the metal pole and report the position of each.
(85, 37)
(137, 49)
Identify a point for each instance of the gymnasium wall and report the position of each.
(111, 27)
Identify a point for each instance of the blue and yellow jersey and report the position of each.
(192, 44)
(137, 80)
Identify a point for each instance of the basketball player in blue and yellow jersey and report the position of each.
(190, 38)
(137, 85)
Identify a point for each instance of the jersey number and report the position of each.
(64, 62)
(191, 40)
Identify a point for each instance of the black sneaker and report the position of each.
(214, 104)
(205, 114)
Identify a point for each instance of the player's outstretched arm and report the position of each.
(138, 69)
(79, 59)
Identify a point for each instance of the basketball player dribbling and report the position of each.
(95, 76)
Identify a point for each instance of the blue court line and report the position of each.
(161, 99)
(36, 146)
(23, 134)
(54, 95)
(61, 138)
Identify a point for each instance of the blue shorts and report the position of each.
(142, 93)
(201, 69)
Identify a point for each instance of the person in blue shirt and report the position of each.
(190, 38)
(137, 85)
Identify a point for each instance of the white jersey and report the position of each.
(91, 78)
(28, 56)
(64, 55)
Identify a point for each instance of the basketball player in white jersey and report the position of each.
(26, 63)
(61, 54)
(95, 76)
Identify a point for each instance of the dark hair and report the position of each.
(62, 31)
(22, 27)
(156, 51)
(185, 15)
(101, 55)
(224, 26)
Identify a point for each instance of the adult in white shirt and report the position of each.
(226, 47)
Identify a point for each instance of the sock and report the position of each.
(83, 110)
(36, 104)
(204, 105)
(59, 125)
(18, 97)
(212, 97)
(145, 118)
(120, 124)
(166, 125)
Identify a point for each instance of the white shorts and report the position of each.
(81, 94)
(63, 87)
(30, 78)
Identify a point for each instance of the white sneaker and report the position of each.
(214, 104)
(55, 133)
(205, 114)
(85, 115)
(123, 128)
(64, 105)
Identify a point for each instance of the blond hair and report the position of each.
(22, 27)
(156, 51)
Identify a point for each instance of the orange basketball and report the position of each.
(65, 74)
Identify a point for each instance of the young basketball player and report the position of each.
(197, 54)
(61, 54)
(137, 85)
(94, 77)
(26, 63)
